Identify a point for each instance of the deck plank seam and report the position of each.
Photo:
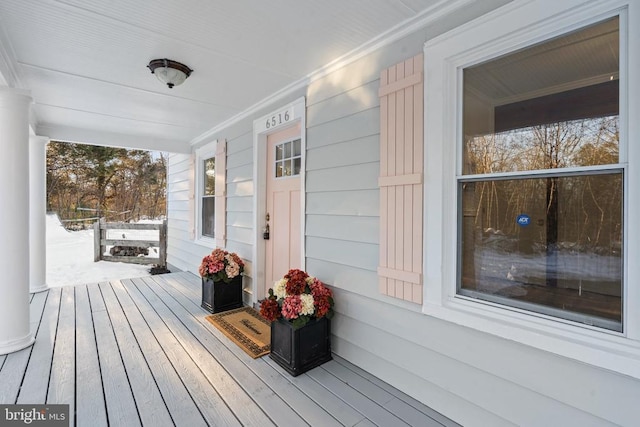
(364, 396)
(53, 351)
(146, 361)
(403, 397)
(190, 292)
(138, 309)
(294, 383)
(308, 375)
(24, 374)
(151, 331)
(75, 357)
(207, 325)
(95, 339)
(228, 345)
(135, 403)
(186, 351)
(281, 373)
(384, 405)
(193, 294)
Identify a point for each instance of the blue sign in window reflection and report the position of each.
(523, 220)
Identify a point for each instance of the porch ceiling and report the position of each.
(85, 60)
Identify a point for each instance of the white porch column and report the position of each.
(37, 213)
(14, 220)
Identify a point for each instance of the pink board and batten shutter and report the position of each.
(221, 194)
(401, 180)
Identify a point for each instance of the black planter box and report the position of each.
(299, 350)
(220, 296)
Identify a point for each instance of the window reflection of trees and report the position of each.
(587, 142)
(575, 210)
(586, 200)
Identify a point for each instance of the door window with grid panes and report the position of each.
(288, 159)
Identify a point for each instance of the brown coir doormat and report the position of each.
(245, 327)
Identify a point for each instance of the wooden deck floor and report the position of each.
(140, 352)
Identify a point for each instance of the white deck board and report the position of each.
(206, 397)
(36, 379)
(90, 407)
(121, 406)
(338, 408)
(306, 407)
(367, 388)
(63, 376)
(12, 374)
(356, 399)
(334, 409)
(228, 384)
(188, 285)
(13, 369)
(149, 401)
(410, 406)
(379, 395)
(184, 411)
(141, 352)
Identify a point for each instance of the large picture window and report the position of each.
(540, 192)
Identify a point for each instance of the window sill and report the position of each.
(602, 349)
(208, 242)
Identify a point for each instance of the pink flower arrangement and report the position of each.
(298, 298)
(221, 265)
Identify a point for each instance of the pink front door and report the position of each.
(284, 162)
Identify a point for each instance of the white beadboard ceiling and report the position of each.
(84, 61)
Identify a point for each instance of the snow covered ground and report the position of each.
(70, 258)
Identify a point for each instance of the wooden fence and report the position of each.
(100, 229)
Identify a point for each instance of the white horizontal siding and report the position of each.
(353, 202)
(344, 178)
(345, 153)
(242, 173)
(177, 186)
(239, 204)
(179, 251)
(344, 104)
(344, 227)
(358, 125)
(355, 254)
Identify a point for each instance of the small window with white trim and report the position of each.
(208, 197)
(541, 182)
(210, 194)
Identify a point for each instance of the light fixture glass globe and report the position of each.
(170, 76)
(171, 73)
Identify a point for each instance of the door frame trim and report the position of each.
(262, 127)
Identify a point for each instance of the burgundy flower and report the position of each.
(296, 281)
(322, 305)
(269, 309)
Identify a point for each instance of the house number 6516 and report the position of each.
(278, 119)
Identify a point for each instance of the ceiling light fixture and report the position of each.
(169, 72)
